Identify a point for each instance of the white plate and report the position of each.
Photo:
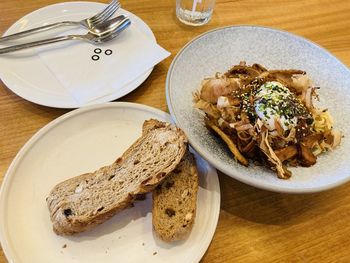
(217, 51)
(81, 141)
(28, 76)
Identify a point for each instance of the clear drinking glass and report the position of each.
(194, 12)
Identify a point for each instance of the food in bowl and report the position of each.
(267, 116)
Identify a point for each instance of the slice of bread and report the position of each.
(80, 203)
(175, 199)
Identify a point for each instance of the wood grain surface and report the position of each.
(254, 225)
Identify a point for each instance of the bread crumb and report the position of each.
(64, 246)
(143, 244)
(154, 253)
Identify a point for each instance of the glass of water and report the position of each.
(194, 12)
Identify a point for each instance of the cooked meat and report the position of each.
(208, 108)
(213, 88)
(231, 145)
(287, 153)
(259, 68)
(307, 158)
(234, 101)
(239, 70)
(285, 77)
(247, 148)
(310, 140)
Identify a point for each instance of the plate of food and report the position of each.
(264, 106)
(106, 182)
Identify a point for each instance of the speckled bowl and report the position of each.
(217, 51)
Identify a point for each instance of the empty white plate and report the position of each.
(78, 142)
(31, 79)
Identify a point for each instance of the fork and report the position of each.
(88, 23)
(100, 34)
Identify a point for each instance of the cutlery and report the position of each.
(99, 34)
(88, 23)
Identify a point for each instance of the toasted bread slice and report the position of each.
(82, 202)
(175, 199)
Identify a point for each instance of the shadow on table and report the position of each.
(266, 207)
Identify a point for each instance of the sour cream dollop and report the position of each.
(273, 101)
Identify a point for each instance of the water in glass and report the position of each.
(194, 12)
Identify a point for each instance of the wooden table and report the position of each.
(254, 225)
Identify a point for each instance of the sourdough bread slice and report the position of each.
(175, 199)
(80, 203)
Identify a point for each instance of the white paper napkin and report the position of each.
(133, 54)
